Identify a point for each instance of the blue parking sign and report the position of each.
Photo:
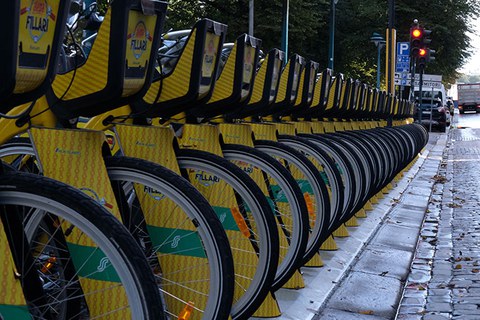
(403, 57)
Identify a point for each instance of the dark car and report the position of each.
(435, 114)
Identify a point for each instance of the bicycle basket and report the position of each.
(320, 96)
(191, 78)
(119, 65)
(32, 32)
(233, 86)
(305, 91)
(337, 89)
(288, 86)
(264, 88)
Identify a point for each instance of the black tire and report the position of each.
(347, 170)
(187, 203)
(286, 196)
(191, 221)
(311, 183)
(259, 218)
(327, 167)
(28, 200)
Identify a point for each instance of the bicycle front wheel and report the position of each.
(181, 235)
(73, 258)
(248, 219)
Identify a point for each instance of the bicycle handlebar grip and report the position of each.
(32, 33)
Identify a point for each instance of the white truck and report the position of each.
(468, 97)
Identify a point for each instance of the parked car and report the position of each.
(436, 114)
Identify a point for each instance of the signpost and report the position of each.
(429, 80)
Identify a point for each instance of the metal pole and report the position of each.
(285, 10)
(250, 17)
(379, 47)
(391, 39)
(431, 112)
(420, 95)
(331, 47)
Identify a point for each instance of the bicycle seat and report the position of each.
(192, 74)
(264, 87)
(119, 65)
(233, 86)
(31, 38)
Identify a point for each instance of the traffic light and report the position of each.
(416, 40)
(422, 58)
(426, 37)
(430, 55)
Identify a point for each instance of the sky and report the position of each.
(473, 64)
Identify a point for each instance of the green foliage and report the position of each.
(355, 55)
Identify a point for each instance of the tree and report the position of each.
(355, 55)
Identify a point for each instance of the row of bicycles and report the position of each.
(154, 175)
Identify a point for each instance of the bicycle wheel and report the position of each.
(249, 220)
(286, 198)
(73, 258)
(331, 174)
(185, 242)
(313, 187)
(350, 176)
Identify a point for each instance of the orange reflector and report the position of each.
(187, 311)
(49, 264)
(310, 208)
(242, 225)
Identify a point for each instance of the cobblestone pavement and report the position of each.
(444, 282)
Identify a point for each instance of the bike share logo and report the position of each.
(206, 179)
(153, 193)
(103, 264)
(175, 241)
(246, 167)
(39, 14)
(139, 39)
(92, 194)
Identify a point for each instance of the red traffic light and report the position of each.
(422, 52)
(416, 33)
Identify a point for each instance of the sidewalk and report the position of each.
(373, 286)
(365, 277)
(445, 278)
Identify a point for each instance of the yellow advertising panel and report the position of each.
(139, 46)
(12, 301)
(35, 39)
(208, 64)
(75, 157)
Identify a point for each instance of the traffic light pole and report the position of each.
(420, 95)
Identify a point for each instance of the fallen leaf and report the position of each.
(458, 266)
(475, 270)
(366, 312)
(439, 178)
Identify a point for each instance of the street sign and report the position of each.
(403, 82)
(403, 57)
(403, 78)
(429, 84)
(429, 80)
